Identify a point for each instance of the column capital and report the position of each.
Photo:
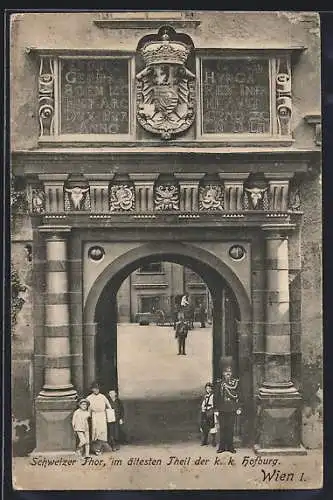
(54, 232)
(277, 231)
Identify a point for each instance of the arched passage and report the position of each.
(216, 274)
(207, 265)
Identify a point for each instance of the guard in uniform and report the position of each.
(226, 403)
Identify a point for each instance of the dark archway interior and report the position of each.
(150, 426)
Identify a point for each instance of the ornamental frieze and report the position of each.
(122, 198)
(165, 87)
(166, 197)
(256, 199)
(77, 194)
(255, 193)
(211, 197)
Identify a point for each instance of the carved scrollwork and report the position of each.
(211, 197)
(122, 198)
(283, 96)
(46, 96)
(166, 197)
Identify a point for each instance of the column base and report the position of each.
(50, 392)
(279, 420)
(54, 432)
(279, 451)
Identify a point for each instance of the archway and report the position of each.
(215, 273)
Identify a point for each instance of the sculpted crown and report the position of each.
(165, 51)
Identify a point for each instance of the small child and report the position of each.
(81, 427)
(207, 419)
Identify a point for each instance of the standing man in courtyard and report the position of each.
(227, 404)
(181, 335)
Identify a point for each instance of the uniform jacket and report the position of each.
(181, 330)
(227, 395)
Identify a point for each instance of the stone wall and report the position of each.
(22, 336)
(217, 29)
(311, 284)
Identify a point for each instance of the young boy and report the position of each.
(81, 427)
(207, 421)
(115, 427)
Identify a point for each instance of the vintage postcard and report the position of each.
(166, 269)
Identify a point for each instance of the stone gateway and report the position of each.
(188, 139)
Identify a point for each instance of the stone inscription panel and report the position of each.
(94, 96)
(235, 96)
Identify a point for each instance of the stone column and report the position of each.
(57, 399)
(279, 401)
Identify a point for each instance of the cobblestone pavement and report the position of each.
(148, 364)
(152, 467)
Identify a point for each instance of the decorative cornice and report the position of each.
(52, 229)
(146, 162)
(146, 23)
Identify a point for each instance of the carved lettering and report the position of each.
(94, 96)
(235, 96)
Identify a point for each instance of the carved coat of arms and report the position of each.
(165, 88)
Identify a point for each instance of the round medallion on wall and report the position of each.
(96, 253)
(237, 252)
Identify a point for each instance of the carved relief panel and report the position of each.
(76, 193)
(211, 194)
(166, 194)
(255, 194)
(122, 195)
(165, 86)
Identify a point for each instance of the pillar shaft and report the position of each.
(278, 411)
(277, 334)
(57, 365)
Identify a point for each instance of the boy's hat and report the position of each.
(209, 384)
(83, 400)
